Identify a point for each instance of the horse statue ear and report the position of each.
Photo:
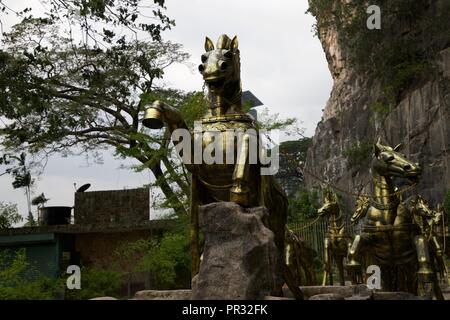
(334, 197)
(209, 45)
(377, 147)
(329, 195)
(398, 147)
(234, 44)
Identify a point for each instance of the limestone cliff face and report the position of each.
(420, 119)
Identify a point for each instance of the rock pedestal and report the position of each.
(240, 259)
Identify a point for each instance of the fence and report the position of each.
(314, 233)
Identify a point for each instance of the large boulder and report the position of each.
(240, 259)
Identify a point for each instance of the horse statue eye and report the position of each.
(228, 54)
(388, 158)
(204, 58)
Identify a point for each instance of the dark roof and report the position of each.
(248, 96)
(91, 228)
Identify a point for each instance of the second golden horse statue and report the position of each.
(389, 235)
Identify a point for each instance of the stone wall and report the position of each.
(118, 206)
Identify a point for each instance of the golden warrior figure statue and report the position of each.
(242, 181)
(337, 239)
(389, 235)
(428, 220)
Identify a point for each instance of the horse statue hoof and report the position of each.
(352, 264)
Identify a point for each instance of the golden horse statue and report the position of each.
(337, 240)
(241, 181)
(389, 235)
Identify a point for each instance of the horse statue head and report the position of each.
(221, 71)
(389, 162)
(438, 214)
(421, 208)
(362, 205)
(330, 206)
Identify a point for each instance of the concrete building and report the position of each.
(102, 221)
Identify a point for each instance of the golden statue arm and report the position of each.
(239, 192)
(158, 114)
(424, 273)
(353, 252)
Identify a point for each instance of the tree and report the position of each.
(22, 178)
(304, 206)
(99, 19)
(167, 260)
(21, 281)
(9, 215)
(39, 200)
(63, 97)
(293, 155)
(97, 283)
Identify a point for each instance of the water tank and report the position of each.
(50, 216)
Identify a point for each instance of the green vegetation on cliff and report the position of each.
(358, 155)
(304, 206)
(400, 54)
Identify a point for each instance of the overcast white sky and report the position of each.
(283, 64)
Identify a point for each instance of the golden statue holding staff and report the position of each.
(336, 241)
(428, 220)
